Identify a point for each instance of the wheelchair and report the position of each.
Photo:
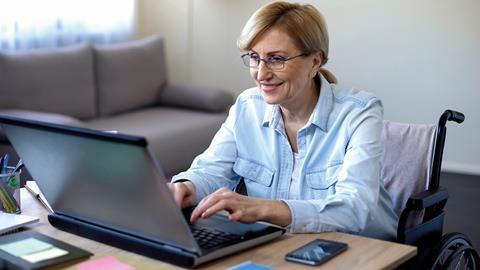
(411, 172)
(422, 215)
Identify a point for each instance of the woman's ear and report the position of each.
(317, 61)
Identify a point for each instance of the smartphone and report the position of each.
(316, 252)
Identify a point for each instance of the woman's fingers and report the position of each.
(236, 215)
(211, 204)
(239, 207)
(214, 208)
(182, 193)
(201, 207)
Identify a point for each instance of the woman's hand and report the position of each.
(242, 208)
(183, 193)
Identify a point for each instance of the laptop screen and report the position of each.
(107, 179)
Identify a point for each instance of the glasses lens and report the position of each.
(254, 60)
(275, 62)
(246, 60)
(272, 62)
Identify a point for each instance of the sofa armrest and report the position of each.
(196, 97)
(40, 116)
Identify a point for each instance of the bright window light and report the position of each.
(28, 24)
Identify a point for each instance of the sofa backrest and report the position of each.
(129, 75)
(57, 80)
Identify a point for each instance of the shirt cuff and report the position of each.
(201, 186)
(305, 218)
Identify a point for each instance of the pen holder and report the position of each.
(10, 191)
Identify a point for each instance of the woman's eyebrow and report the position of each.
(272, 52)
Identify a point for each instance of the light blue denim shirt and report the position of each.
(340, 184)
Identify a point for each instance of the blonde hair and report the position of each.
(303, 23)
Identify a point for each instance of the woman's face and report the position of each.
(289, 86)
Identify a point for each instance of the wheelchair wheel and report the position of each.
(454, 251)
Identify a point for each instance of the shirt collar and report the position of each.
(320, 114)
(272, 115)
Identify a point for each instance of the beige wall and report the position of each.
(170, 18)
(420, 57)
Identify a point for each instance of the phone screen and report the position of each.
(316, 252)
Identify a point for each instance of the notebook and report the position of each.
(12, 222)
(109, 187)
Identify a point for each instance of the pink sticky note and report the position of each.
(107, 263)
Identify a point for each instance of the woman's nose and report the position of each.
(263, 71)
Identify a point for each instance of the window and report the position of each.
(26, 24)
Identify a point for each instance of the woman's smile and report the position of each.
(270, 87)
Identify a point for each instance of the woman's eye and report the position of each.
(254, 57)
(276, 59)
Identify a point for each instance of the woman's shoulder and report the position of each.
(353, 96)
(250, 94)
(249, 107)
(251, 97)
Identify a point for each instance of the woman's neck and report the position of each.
(300, 111)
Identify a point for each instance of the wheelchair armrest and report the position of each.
(427, 198)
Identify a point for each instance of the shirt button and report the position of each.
(253, 173)
(302, 142)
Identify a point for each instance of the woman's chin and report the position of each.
(270, 99)
(271, 95)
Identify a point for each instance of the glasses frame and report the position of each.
(247, 56)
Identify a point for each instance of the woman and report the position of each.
(308, 151)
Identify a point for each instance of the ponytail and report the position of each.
(328, 76)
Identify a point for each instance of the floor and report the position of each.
(462, 210)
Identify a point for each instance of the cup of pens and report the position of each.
(10, 190)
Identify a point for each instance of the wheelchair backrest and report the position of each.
(407, 160)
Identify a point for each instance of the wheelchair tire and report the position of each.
(454, 251)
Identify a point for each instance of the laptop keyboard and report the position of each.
(208, 239)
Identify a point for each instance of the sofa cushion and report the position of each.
(50, 80)
(129, 75)
(197, 97)
(176, 136)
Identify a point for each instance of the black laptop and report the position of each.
(109, 187)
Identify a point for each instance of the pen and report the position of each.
(1, 164)
(39, 198)
(8, 201)
(5, 163)
(19, 166)
(33, 188)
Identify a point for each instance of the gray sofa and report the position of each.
(121, 87)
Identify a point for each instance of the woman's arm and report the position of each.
(243, 208)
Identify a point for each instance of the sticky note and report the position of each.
(107, 263)
(25, 246)
(50, 253)
(33, 250)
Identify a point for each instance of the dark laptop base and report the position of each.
(123, 241)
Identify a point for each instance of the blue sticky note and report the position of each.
(249, 265)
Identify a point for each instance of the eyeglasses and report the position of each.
(273, 62)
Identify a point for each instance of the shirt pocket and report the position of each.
(253, 171)
(323, 179)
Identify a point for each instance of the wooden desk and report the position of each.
(363, 253)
